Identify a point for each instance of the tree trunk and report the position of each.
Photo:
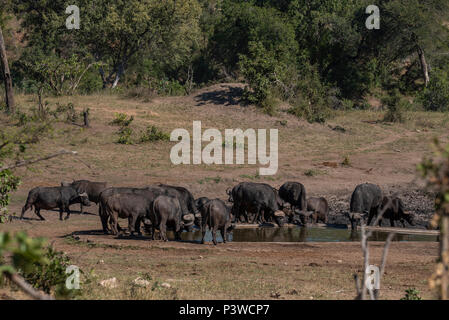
(424, 66)
(7, 76)
(120, 71)
(444, 251)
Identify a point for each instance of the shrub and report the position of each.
(436, 96)
(411, 294)
(122, 120)
(154, 134)
(51, 276)
(395, 107)
(125, 134)
(8, 184)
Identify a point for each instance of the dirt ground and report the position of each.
(312, 154)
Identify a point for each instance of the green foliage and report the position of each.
(395, 108)
(122, 120)
(51, 276)
(125, 135)
(154, 134)
(8, 184)
(24, 252)
(44, 269)
(411, 294)
(436, 96)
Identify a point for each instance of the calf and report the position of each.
(201, 202)
(166, 211)
(48, 198)
(133, 207)
(217, 216)
(393, 209)
(319, 209)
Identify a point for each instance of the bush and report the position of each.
(122, 120)
(395, 107)
(411, 294)
(125, 134)
(436, 96)
(154, 134)
(51, 277)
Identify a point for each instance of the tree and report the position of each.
(10, 108)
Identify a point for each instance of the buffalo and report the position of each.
(48, 198)
(366, 199)
(319, 209)
(294, 193)
(393, 209)
(134, 207)
(166, 211)
(93, 189)
(201, 202)
(259, 199)
(216, 215)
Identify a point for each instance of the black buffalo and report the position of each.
(184, 196)
(131, 206)
(319, 209)
(93, 189)
(393, 209)
(48, 198)
(259, 199)
(366, 199)
(201, 202)
(216, 215)
(166, 211)
(294, 193)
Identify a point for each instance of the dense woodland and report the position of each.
(317, 55)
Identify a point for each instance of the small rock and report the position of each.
(311, 298)
(101, 261)
(313, 264)
(109, 283)
(293, 292)
(141, 282)
(339, 261)
(166, 285)
(275, 295)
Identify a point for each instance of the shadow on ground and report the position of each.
(227, 96)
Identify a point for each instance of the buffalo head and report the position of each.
(84, 198)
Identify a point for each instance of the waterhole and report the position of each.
(297, 234)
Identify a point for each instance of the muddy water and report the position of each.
(299, 234)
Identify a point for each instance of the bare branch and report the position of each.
(26, 287)
(28, 162)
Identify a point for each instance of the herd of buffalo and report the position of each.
(161, 206)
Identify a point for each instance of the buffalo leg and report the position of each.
(392, 222)
(68, 213)
(163, 231)
(223, 234)
(81, 208)
(37, 211)
(214, 235)
(137, 226)
(61, 212)
(24, 209)
(203, 233)
(131, 225)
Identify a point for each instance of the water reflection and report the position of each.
(298, 234)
